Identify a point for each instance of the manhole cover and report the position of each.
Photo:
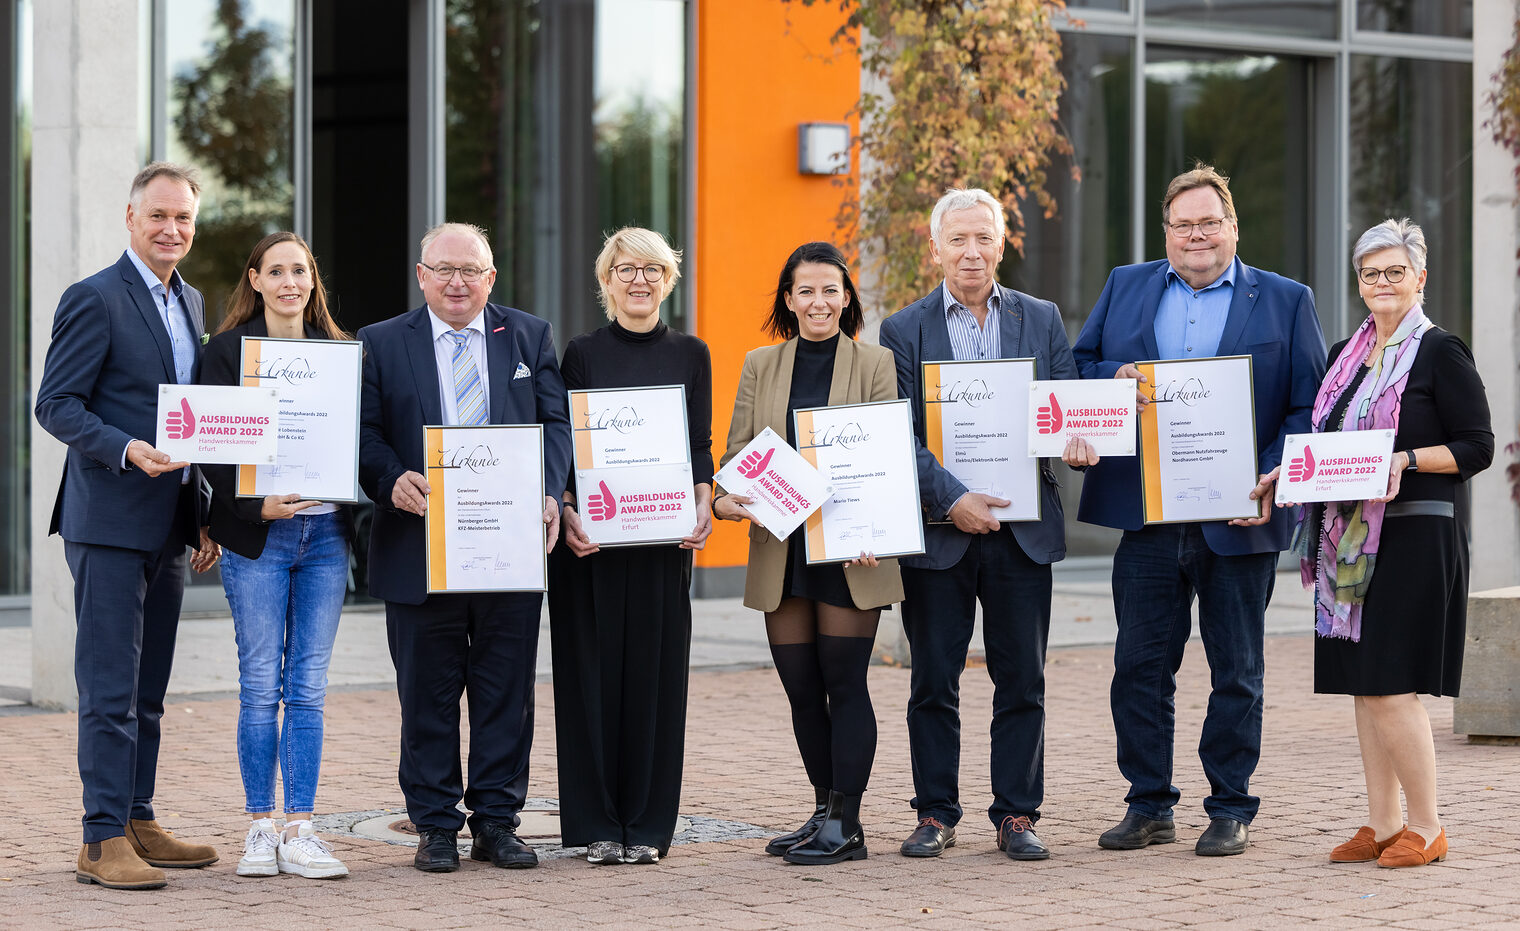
(534, 826)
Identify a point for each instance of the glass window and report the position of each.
(1411, 156)
(15, 265)
(1248, 116)
(226, 108)
(550, 155)
(1299, 17)
(1421, 17)
(1067, 257)
(1079, 5)
(639, 124)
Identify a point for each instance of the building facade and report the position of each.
(359, 123)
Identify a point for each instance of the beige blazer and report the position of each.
(862, 372)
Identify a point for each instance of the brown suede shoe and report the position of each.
(1411, 850)
(114, 864)
(159, 848)
(1364, 846)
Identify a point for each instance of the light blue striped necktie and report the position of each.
(469, 399)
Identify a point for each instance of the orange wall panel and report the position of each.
(763, 67)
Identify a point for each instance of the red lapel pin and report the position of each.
(498, 329)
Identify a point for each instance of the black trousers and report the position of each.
(483, 646)
(126, 606)
(939, 613)
(621, 628)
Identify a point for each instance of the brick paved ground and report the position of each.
(741, 765)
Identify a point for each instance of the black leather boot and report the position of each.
(839, 838)
(778, 845)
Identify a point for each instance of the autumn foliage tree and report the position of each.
(970, 99)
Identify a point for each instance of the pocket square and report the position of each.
(522, 372)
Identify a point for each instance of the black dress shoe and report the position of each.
(1225, 837)
(1137, 831)
(929, 839)
(498, 842)
(437, 850)
(1016, 837)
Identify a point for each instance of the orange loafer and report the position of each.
(1411, 850)
(1364, 846)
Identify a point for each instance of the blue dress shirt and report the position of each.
(1189, 323)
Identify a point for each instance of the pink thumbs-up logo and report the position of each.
(180, 424)
(754, 464)
(1048, 417)
(602, 506)
(1301, 469)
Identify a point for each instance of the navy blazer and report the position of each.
(99, 391)
(1272, 320)
(401, 395)
(1027, 328)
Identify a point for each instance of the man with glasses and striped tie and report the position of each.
(457, 360)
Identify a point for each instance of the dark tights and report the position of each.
(822, 652)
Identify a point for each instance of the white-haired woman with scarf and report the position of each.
(1390, 574)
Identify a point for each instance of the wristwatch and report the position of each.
(1412, 466)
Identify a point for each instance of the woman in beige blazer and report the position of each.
(820, 620)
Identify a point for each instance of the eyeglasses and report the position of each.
(652, 273)
(469, 274)
(1393, 273)
(1184, 230)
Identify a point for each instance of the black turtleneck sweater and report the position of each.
(616, 357)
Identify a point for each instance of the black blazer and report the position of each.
(236, 522)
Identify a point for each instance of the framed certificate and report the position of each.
(318, 385)
(1198, 440)
(221, 424)
(630, 426)
(633, 465)
(1100, 411)
(977, 425)
(1350, 465)
(485, 508)
(865, 451)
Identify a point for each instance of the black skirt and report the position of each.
(1414, 620)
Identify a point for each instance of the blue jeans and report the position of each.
(1157, 572)
(285, 609)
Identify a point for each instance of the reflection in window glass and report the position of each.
(639, 123)
(1411, 156)
(228, 112)
(1067, 258)
(549, 154)
(1248, 116)
(491, 93)
(15, 263)
(1291, 17)
(1079, 5)
(1420, 17)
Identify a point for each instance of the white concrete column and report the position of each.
(1496, 336)
(85, 139)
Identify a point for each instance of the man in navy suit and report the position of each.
(127, 514)
(457, 360)
(974, 555)
(1199, 301)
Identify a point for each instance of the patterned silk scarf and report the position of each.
(1340, 566)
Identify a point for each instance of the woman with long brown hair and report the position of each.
(285, 573)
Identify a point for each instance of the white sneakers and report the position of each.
(308, 855)
(267, 853)
(259, 850)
